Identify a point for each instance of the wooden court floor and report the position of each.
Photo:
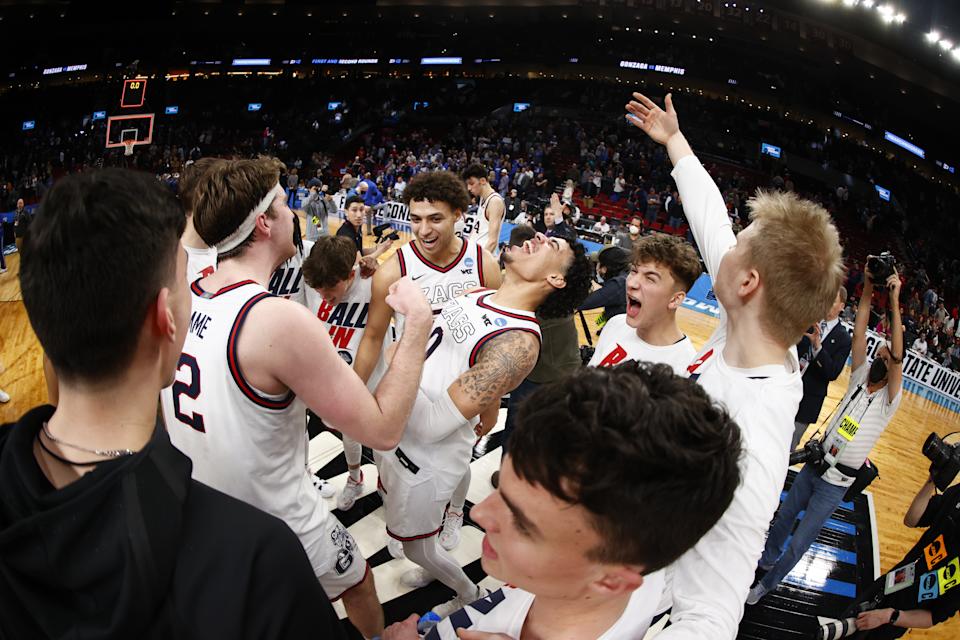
(902, 466)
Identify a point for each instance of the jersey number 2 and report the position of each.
(192, 391)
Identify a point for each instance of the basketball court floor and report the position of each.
(861, 539)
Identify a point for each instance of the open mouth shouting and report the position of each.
(633, 306)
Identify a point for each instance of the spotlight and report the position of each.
(946, 45)
(933, 37)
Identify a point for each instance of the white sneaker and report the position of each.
(450, 607)
(416, 578)
(4, 396)
(450, 536)
(395, 548)
(327, 490)
(756, 594)
(351, 491)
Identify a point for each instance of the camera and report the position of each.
(881, 267)
(944, 460)
(811, 453)
(380, 232)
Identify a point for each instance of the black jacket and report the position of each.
(822, 370)
(136, 549)
(612, 296)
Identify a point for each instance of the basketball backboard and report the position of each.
(137, 127)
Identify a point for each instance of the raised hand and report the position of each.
(660, 125)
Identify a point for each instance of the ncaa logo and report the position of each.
(468, 262)
(500, 322)
(346, 356)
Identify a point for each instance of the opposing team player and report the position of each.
(581, 525)
(663, 269)
(250, 363)
(772, 282)
(444, 266)
(201, 259)
(340, 296)
(483, 223)
(483, 344)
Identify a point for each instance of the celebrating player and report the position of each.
(581, 525)
(252, 360)
(483, 344)
(772, 282)
(663, 269)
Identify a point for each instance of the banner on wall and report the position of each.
(921, 375)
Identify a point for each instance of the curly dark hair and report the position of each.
(562, 302)
(647, 453)
(438, 186)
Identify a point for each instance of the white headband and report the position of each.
(236, 238)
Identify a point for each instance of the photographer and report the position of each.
(915, 598)
(868, 406)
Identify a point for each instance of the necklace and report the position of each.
(107, 453)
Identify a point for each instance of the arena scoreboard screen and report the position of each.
(134, 93)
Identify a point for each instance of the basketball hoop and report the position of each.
(128, 147)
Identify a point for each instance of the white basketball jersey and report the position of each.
(287, 280)
(442, 284)
(619, 342)
(459, 332)
(243, 442)
(347, 320)
(200, 263)
(505, 611)
(476, 224)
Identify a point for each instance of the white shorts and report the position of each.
(336, 560)
(413, 502)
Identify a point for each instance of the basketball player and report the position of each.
(201, 259)
(103, 534)
(663, 269)
(772, 282)
(444, 266)
(483, 344)
(582, 524)
(340, 296)
(483, 224)
(250, 363)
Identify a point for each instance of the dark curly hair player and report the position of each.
(483, 344)
(611, 476)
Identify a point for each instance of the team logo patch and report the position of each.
(344, 545)
(346, 356)
(468, 262)
(500, 322)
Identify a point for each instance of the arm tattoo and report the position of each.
(503, 364)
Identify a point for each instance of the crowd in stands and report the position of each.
(612, 178)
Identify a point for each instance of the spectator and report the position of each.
(613, 263)
(601, 226)
(920, 345)
(929, 301)
(293, 180)
(627, 238)
(568, 192)
(398, 187)
(553, 222)
(823, 353)
(675, 212)
(21, 223)
(314, 218)
(619, 186)
(504, 184)
(511, 205)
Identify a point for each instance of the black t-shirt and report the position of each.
(936, 585)
(136, 549)
(347, 230)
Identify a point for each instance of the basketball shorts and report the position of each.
(336, 559)
(413, 499)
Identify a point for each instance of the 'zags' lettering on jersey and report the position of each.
(442, 284)
(459, 333)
